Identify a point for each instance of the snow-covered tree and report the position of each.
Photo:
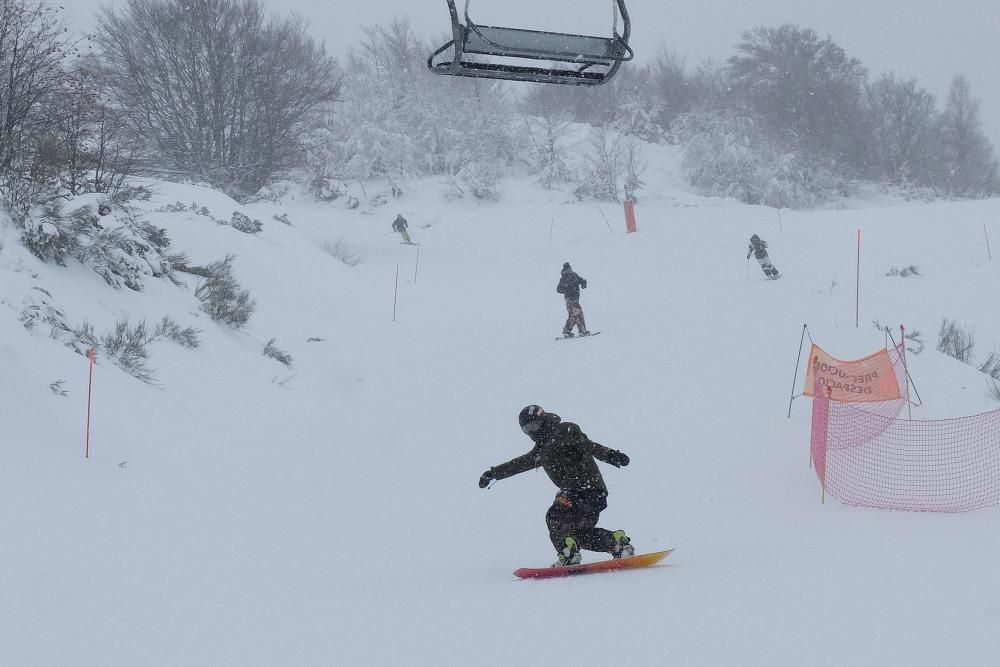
(805, 90)
(903, 121)
(969, 166)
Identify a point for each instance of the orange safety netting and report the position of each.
(865, 455)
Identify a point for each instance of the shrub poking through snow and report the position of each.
(183, 336)
(244, 223)
(342, 251)
(956, 341)
(904, 272)
(222, 297)
(274, 352)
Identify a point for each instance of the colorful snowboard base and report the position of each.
(643, 560)
(586, 335)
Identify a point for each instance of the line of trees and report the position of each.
(220, 92)
(790, 119)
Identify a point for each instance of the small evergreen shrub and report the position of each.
(222, 297)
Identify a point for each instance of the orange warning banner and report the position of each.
(861, 381)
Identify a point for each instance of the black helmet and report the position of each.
(530, 418)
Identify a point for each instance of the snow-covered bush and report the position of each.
(244, 223)
(183, 336)
(40, 309)
(222, 297)
(342, 251)
(604, 163)
(904, 272)
(127, 346)
(119, 247)
(272, 351)
(956, 341)
(728, 155)
(549, 153)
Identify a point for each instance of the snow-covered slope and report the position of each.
(242, 513)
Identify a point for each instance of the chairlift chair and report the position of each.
(580, 60)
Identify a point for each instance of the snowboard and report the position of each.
(632, 562)
(405, 243)
(592, 333)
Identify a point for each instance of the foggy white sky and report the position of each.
(930, 41)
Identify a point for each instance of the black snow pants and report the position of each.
(575, 514)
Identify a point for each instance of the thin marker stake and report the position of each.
(395, 294)
(92, 355)
(857, 297)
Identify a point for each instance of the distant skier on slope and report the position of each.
(758, 247)
(567, 455)
(569, 286)
(400, 225)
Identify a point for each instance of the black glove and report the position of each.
(618, 459)
(583, 284)
(486, 478)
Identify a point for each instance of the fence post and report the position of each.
(906, 371)
(796, 376)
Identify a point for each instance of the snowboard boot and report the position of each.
(568, 334)
(623, 545)
(569, 554)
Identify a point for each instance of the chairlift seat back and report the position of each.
(534, 44)
(588, 60)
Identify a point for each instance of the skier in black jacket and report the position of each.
(400, 225)
(758, 247)
(569, 286)
(567, 455)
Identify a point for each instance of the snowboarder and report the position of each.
(400, 225)
(567, 455)
(758, 247)
(569, 286)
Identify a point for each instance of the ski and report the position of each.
(587, 335)
(632, 562)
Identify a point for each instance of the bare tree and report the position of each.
(222, 92)
(904, 120)
(32, 46)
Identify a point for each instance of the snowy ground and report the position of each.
(239, 513)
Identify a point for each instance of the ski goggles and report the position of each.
(532, 427)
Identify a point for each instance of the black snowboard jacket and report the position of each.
(570, 284)
(758, 247)
(568, 457)
(399, 224)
